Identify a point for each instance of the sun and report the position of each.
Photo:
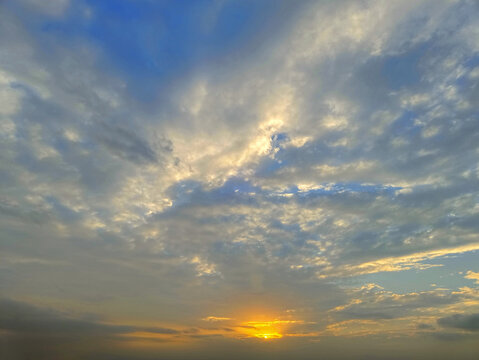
(267, 327)
(269, 336)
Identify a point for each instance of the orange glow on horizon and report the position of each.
(269, 336)
(267, 330)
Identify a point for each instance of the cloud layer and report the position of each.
(185, 170)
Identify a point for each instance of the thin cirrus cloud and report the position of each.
(182, 178)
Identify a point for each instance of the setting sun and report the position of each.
(267, 330)
(269, 336)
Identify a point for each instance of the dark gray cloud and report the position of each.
(23, 318)
(469, 322)
(423, 326)
(33, 332)
(125, 144)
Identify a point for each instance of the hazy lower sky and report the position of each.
(244, 179)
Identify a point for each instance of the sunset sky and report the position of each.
(239, 179)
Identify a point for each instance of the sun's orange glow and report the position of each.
(268, 336)
(267, 330)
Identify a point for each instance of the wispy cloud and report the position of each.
(216, 318)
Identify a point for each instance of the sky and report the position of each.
(257, 179)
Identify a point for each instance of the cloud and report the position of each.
(407, 262)
(23, 318)
(377, 303)
(126, 145)
(423, 326)
(216, 318)
(160, 170)
(472, 275)
(446, 336)
(29, 330)
(469, 322)
(51, 8)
